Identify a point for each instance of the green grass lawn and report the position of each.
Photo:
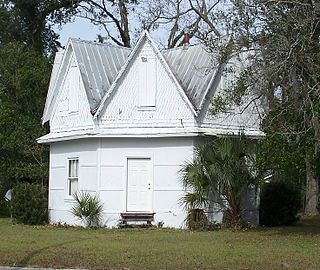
(263, 248)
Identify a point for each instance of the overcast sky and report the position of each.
(83, 29)
(80, 28)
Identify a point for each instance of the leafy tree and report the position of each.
(24, 76)
(220, 172)
(25, 36)
(31, 21)
(282, 38)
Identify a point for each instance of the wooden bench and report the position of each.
(136, 217)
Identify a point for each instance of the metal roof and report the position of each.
(194, 69)
(99, 65)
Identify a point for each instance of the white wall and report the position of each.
(109, 178)
(59, 201)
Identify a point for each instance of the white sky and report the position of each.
(83, 29)
(80, 28)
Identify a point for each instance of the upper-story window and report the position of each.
(147, 81)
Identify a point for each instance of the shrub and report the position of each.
(196, 220)
(279, 204)
(88, 209)
(30, 203)
(4, 205)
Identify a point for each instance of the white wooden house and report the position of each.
(123, 121)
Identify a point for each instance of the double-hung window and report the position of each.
(73, 176)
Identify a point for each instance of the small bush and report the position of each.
(279, 204)
(88, 209)
(30, 204)
(196, 220)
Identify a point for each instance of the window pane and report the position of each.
(69, 174)
(76, 168)
(73, 186)
(69, 188)
(73, 168)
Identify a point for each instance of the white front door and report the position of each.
(139, 187)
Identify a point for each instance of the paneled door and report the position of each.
(139, 185)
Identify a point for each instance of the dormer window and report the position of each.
(147, 82)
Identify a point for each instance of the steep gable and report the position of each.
(99, 65)
(146, 94)
(145, 37)
(246, 117)
(71, 110)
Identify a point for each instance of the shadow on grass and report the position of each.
(305, 226)
(28, 257)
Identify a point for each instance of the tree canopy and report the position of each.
(24, 76)
(31, 21)
(282, 38)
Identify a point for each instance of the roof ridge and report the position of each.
(99, 44)
(181, 47)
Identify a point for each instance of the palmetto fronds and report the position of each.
(87, 208)
(219, 173)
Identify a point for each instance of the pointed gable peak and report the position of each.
(144, 37)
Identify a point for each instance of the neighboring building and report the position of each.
(123, 121)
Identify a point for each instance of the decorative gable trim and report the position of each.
(55, 84)
(144, 37)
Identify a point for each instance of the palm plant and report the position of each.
(220, 173)
(87, 208)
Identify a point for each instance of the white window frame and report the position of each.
(73, 175)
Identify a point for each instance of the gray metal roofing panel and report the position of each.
(99, 65)
(100, 76)
(105, 67)
(91, 87)
(94, 63)
(192, 67)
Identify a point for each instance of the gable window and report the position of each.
(147, 82)
(73, 176)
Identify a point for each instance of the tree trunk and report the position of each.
(312, 190)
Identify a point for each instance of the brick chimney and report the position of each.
(186, 37)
